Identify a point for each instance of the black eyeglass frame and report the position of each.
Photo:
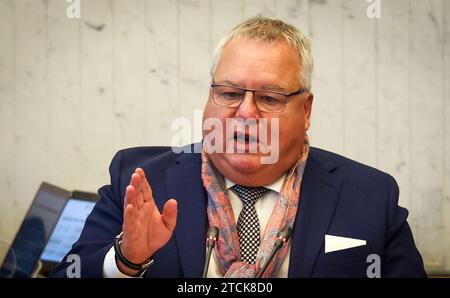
(287, 95)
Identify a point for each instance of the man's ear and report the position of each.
(307, 106)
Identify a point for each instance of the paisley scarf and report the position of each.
(220, 214)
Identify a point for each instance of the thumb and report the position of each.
(169, 215)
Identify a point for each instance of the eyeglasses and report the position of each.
(266, 101)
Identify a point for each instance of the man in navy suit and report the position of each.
(347, 222)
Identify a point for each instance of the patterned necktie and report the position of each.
(248, 223)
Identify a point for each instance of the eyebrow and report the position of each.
(264, 87)
(273, 87)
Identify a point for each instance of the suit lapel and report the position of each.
(319, 194)
(184, 184)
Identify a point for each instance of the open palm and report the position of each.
(145, 229)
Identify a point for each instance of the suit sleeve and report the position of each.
(101, 227)
(401, 257)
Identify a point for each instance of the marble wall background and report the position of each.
(74, 91)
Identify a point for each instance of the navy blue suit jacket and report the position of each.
(339, 197)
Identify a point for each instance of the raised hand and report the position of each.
(145, 229)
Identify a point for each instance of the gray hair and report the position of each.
(271, 31)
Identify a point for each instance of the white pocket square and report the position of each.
(334, 243)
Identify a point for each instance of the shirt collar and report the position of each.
(274, 186)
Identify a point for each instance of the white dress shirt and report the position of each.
(264, 207)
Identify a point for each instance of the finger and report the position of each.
(147, 194)
(136, 182)
(131, 210)
(129, 220)
(145, 186)
(169, 215)
(130, 196)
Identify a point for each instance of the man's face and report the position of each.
(254, 64)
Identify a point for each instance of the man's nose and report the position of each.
(248, 108)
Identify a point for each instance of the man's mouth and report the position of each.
(245, 138)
